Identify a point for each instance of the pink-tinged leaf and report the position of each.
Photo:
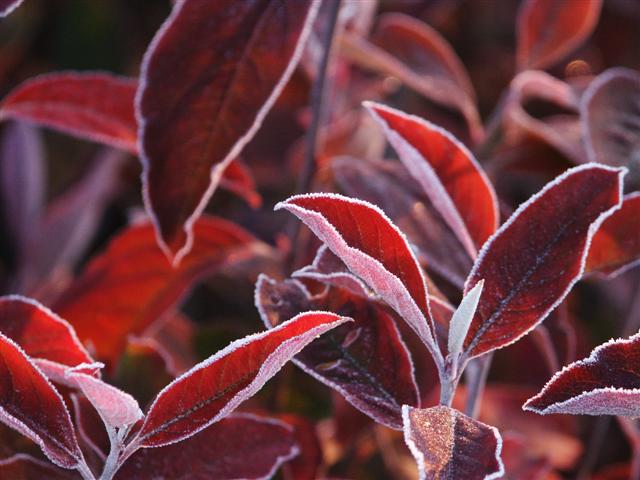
(447, 171)
(116, 408)
(214, 388)
(422, 59)
(535, 258)
(448, 444)
(560, 129)
(234, 59)
(373, 248)
(94, 106)
(365, 361)
(549, 30)
(26, 467)
(131, 285)
(30, 405)
(610, 111)
(329, 269)
(616, 245)
(237, 178)
(23, 176)
(8, 6)
(239, 446)
(40, 333)
(396, 192)
(605, 383)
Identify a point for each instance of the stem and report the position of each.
(111, 464)
(476, 381)
(449, 378)
(317, 97)
(84, 471)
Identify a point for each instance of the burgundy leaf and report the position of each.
(448, 444)
(40, 333)
(397, 193)
(239, 446)
(610, 111)
(535, 258)
(8, 6)
(131, 285)
(329, 269)
(448, 173)
(615, 247)
(373, 248)
(30, 405)
(215, 387)
(26, 467)
(94, 106)
(234, 59)
(306, 464)
(90, 427)
(365, 361)
(23, 172)
(605, 383)
(549, 30)
(237, 178)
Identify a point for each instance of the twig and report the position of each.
(317, 101)
(476, 380)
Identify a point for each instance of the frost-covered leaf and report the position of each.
(305, 465)
(40, 333)
(239, 446)
(535, 258)
(605, 383)
(610, 111)
(373, 248)
(447, 444)
(26, 467)
(93, 106)
(461, 319)
(234, 59)
(365, 361)
(447, 171)
(237, 178)
(129, 286)
(548, 30)
(615, 247)
(214, 388)
(8, 6)
(30, 405)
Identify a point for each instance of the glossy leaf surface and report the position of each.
(30, 405)
(93, 106)
(131, 285)
(240, 446)
(214, 388)
(605, 383)
(615, 247)
(371, 247)
(234, 59)
(447, 171)
(365, 361)
(448, 444)
(534, 259)
(549, 30)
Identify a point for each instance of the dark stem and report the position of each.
(477, 372)
(317, 101)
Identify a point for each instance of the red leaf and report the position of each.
(615, 247)
(549, 30)
(610, 111)
(605, 383)
(128, 287)
(536, 257)
(239, 446)
(215, 387)
(373, 248)
(237, 178)
(448, 444)
(26, 467)
(234, 59)
(94, 106)
(40, 332)
(8, 6)
(90, 427)
(397, 193)
(306, 464)
(447, 171)
(366, 361)
(30, 405)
